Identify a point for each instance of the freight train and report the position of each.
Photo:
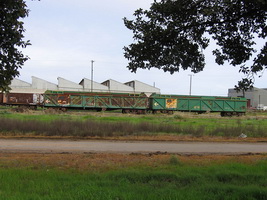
(128, 102)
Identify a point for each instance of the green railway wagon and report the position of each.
(127, 102)
(227, 106)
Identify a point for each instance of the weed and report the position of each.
(174, 160)
(178, 117)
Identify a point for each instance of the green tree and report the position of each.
(172, 35)
(11, 40)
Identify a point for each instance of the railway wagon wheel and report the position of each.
(156, 111)
(134, 111)
(227, 114)
(63, 109)
(170, 112)
(125, 111)
(141, 111)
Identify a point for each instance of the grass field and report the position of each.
(103, 125)
(135, 176)
(131, 177)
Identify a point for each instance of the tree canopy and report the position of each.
(11, 40)
(172, 35)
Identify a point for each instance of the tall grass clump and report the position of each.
(91, 127)
(82, 128)
(174, 160)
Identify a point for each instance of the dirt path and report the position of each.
(68, 146)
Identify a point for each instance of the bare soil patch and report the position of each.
(103, 162)
(174, 138)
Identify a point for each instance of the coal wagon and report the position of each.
(128, 103)
(227, 106)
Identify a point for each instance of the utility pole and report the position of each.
(92, 74)
(190, 90)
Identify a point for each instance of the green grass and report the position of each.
(114, 124)
(167, 182)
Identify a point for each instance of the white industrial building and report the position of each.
(139, 87)
(43, 85)
(89, 85)
(39, 85)
(115, 86)
(256, 97)
(66, 85)
(19, 84)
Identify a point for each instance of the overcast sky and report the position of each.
(66, 35)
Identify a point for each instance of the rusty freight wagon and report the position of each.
(1, 98)
(32, 100)
(128, 103)
(227, 106)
